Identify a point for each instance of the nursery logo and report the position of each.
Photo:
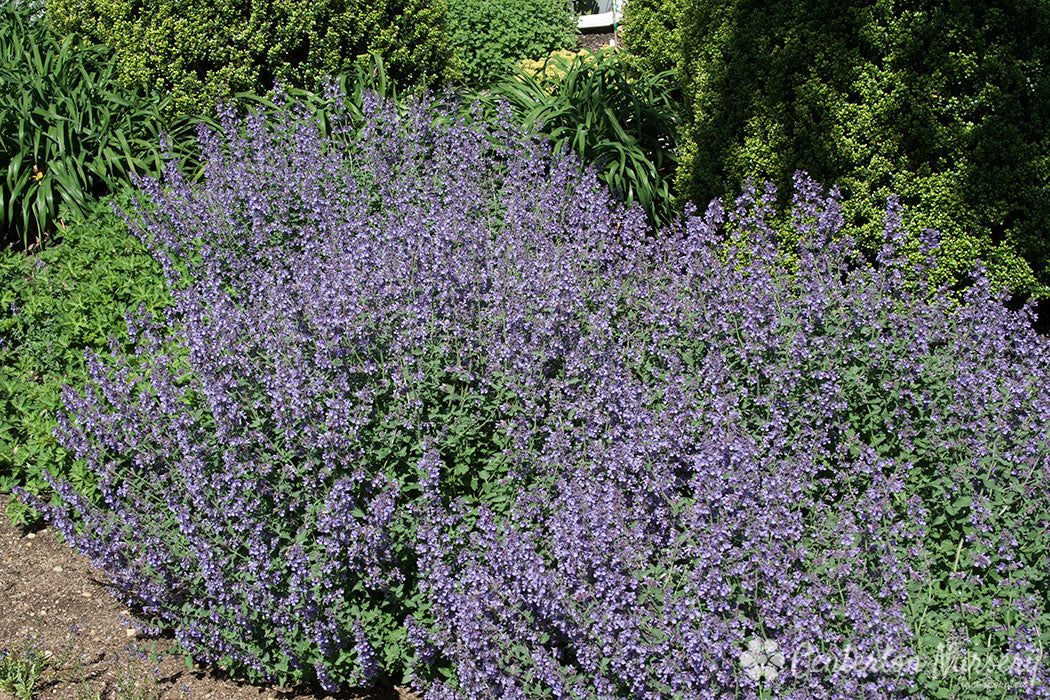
(761, 661)
(986, 671)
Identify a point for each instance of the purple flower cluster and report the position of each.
(429, 401)
(339, 311)
(813, 453)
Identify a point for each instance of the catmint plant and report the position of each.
(779, 476)
(430, 404)
(341, 308)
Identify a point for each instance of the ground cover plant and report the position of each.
(69, 132)
(430, 402)
(54, 304)
(28, 671)
(489, 36)
(20, 671)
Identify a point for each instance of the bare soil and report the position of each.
(594, 40)
(51, 597)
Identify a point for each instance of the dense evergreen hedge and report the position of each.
(202, 51)
(945, 103)
(650, 31)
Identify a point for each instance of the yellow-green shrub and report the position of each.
(553, 65)
(650, 33)
(203, 51)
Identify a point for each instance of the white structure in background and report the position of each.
(603, 14)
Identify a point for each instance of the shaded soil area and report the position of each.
(56, 608)
(594, 40)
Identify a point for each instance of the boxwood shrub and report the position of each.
(943, 104)
(202, 52)
(650, 32)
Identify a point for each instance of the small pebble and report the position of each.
(130, 632)
(57, 569)
(31, 536)
(85, 594)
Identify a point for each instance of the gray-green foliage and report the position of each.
(74, 295)
(490, 35)
(21, 670)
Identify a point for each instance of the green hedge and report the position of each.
(203, 51)
(945, 103)
(650, 32)
(490, 36)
